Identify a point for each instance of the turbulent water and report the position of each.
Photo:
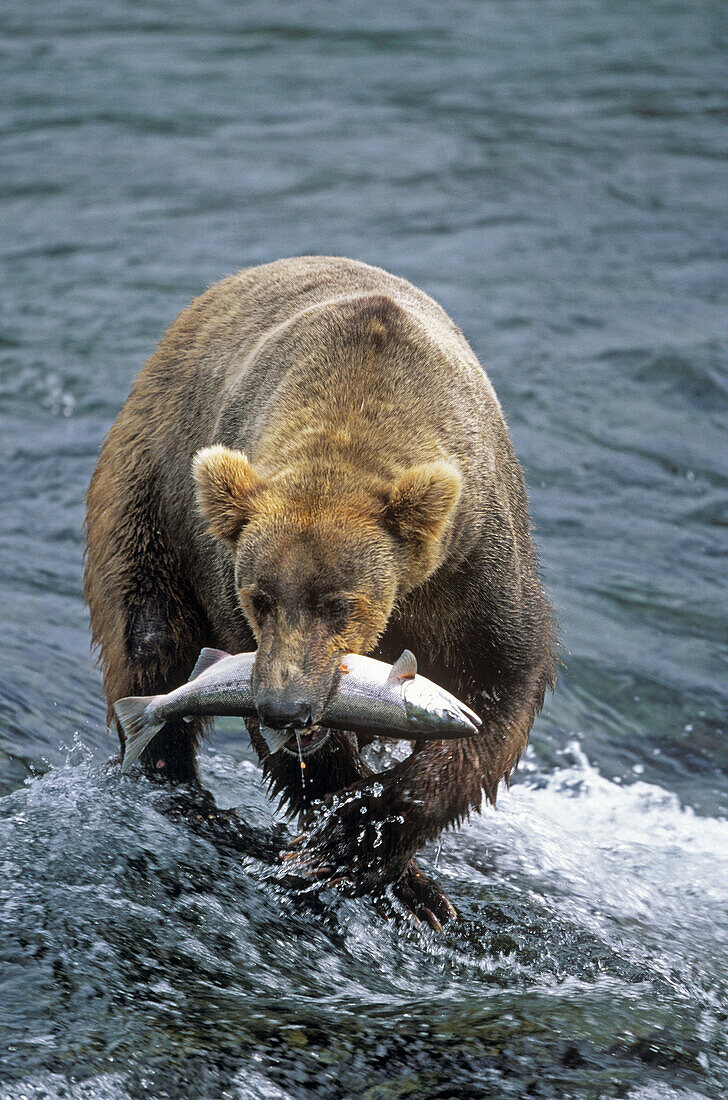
(555, 174)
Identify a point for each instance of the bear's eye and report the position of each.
(262, 605)
(335, 611)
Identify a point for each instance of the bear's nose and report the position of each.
(279, 711)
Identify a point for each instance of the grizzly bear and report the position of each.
(313, 462)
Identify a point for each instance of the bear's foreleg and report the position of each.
(171, 755)
(370, 832)
(151, 651)
(145, 620)
(330, 771)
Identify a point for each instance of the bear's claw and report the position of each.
(423, 897)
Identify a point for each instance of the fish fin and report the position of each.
(274, 739)
(138, 730)
(405, 667)
(207, 658)
(471, 715)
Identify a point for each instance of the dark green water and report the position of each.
(555, 173)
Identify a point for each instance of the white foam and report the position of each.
(605, 852)
(248, 1084)
(662, 1091)
(53, 1086)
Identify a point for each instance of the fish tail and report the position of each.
(138, 725)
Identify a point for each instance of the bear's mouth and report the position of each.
(309, 740)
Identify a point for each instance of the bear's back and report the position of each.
(299, 338)
(229, 327)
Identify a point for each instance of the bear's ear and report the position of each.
(419, 505)
(226, 487)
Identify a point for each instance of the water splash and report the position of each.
(105, 900)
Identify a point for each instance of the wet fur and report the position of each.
(343, 386)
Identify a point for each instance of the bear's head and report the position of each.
(319, 565)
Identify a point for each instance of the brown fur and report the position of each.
(353, 456)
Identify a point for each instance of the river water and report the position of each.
(555, 174)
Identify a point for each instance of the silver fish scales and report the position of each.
(373, 698)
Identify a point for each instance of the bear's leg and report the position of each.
(158, 657)
(371, 834)
(149, 629)
(162, 639)
(171, 756)
(147, 625)
(329, 771)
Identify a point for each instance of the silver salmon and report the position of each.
(372, 697)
